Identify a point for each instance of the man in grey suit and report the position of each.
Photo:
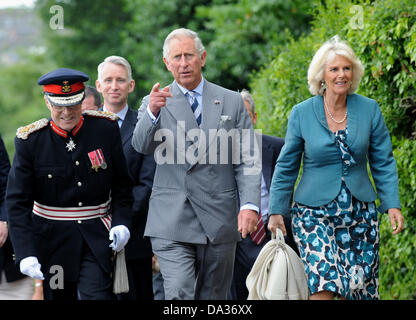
(195, 216)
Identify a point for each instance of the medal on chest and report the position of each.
(97, 159)
(70, 146)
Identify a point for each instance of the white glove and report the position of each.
(30, 266)
(119, 235)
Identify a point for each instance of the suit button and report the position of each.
(79, 221)
(77, 163)
(79, 184)
(49, 176)
(79, 204)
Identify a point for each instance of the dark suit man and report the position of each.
(115, 83)
(194, 217)
(247, 250)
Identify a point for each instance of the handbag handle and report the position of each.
(278, 234)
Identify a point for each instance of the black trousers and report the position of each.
(93, 282)
(139, 272)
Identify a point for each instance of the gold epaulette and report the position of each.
(24, 132)
(101, 114)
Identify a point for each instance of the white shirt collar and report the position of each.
(199, 88)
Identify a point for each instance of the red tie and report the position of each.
(259, 235)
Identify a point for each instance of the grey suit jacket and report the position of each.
(195, 196)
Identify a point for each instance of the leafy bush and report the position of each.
(22, 101)
(244, 33)
(398, 255)
(383, 35)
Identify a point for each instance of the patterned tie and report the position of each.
(259, 235)
(196, 108)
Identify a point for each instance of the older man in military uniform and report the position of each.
(69, 194)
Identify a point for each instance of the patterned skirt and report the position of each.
(339, 245)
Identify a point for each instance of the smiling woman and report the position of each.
(335, 219)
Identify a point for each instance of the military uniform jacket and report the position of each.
(45, 171)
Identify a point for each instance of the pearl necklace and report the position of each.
(331, 116)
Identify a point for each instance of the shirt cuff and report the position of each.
(250, 206)
(152, 116)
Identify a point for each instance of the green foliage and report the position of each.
(281, 85)
(22, 101)
(245, 33)
(388, 52)
(385, 41)
(92, 31)
(397, 252)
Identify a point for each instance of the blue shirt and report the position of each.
(121, 114)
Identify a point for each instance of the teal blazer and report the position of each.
(309, 139)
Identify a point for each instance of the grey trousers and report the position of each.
(195, 271)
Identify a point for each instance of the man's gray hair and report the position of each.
(246, 95)
(116, 60)
(180, 33)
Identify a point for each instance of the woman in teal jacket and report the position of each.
(334, 219)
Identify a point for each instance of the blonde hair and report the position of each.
(325, 55)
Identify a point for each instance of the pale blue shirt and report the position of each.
(121, 114)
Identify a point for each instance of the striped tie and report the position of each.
(259, 235)
(196, 108)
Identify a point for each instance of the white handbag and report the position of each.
(278, 273)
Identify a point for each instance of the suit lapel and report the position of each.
(178, 106)
(213, 103)
(318, 108)
(352, 125)
(267, 159)
(125, 130)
